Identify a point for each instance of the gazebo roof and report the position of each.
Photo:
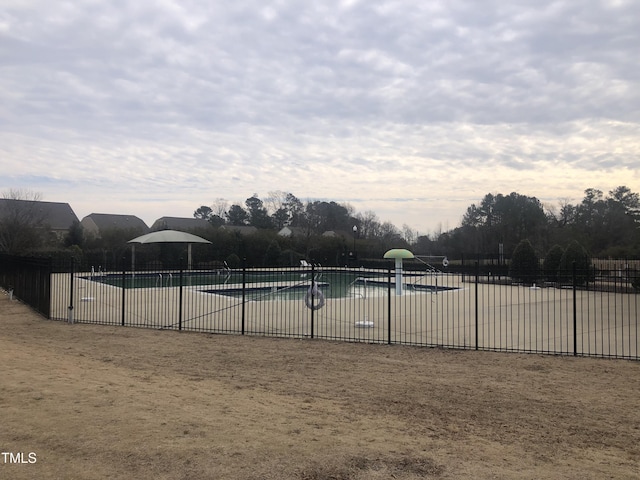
(169, 236)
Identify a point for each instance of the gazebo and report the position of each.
(166, 236)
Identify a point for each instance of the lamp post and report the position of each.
(352, 255)
(355, 232)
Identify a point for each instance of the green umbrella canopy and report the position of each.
(398, 253)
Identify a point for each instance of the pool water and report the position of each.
(267, 285)
(221, 277)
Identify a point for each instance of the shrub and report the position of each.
(273, 255)
(574, 253)
(290, 257)
(552, 263)
(233, 261)
(524, 264)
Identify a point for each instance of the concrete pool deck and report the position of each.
(495, 317)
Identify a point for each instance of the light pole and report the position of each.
(355, 232)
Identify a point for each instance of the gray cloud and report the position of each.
(355, 101)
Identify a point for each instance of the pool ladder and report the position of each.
(169, 280)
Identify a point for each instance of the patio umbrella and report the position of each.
(166, 236)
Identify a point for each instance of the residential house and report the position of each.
(293, 232)
(96, 224)
(58, 217)
(180, 224)
(339, 234)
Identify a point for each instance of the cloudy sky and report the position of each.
(412, 109)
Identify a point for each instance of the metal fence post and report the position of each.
(575, 309)
(313, 300)
(389, 304)
(70, 308)
(124, 288)
(47, 294)
(476, 299)
(180, 297)
(244, 290)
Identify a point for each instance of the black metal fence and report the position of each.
(28, 279)
(588, 313)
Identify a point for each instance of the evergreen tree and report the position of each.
(203, 212)
(524, 264)
(75, 235)
(574, 253)
(257, 213)
(273, 254)
(552, 263)
(237, 215)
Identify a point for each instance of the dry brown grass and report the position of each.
(97, 402)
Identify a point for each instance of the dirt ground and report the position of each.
(96, 402)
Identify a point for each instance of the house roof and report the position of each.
(55, 215)
(338, 233)
(288, 231)
(179, 223)
(107, 221)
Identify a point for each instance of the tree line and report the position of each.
(604, 225)
(280, 209)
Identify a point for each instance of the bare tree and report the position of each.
(219, 207)
(275, 200)
(21, 221)
(218, 214)
(22, 194)
(409, 234)
(368, 224)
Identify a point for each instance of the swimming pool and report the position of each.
(193, 278)
(263, 285)
(360, 288)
